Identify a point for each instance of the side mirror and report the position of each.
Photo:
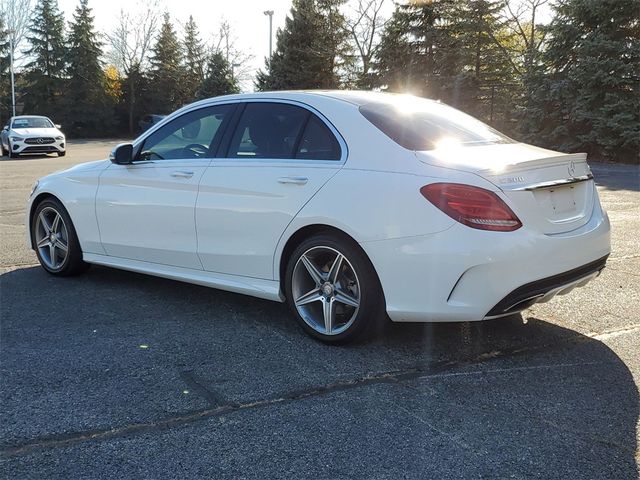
(122, 154)
(58, 126)
(5, 128)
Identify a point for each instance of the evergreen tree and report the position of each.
(45, 73)
(5, 79)
(167, 72)
(194, 59)
(587, 98)
(138, 97)
(485, 64)
(418, 50)
(451, 50)
(88, 110)
(218, 79)
(308, 49)
(394, 60)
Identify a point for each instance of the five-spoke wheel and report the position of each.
(326, 290)
(332, 288)
(54, 239)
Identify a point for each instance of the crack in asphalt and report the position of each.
(614, 332)
(195, 384)
(566, 429)
(388, 377)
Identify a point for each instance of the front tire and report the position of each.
(62, 154)
(55, 241)
(333, 290)
(12, 154)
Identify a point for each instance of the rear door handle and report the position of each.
(182, 174)
(293, 180)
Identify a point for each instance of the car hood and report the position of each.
(80, 168)
(33, 132)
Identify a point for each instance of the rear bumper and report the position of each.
(463, 274)
(545, 289)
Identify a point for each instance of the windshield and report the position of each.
(32, 122)
(420, 124)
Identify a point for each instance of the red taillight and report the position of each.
(472, 206)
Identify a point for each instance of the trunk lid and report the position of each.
(550, 191)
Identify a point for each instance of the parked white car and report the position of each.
(345, 205)
(31, 134)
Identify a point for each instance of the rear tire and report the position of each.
(333, 290)
(55, 240)
(4, 151)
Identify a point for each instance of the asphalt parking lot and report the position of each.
(119, 375)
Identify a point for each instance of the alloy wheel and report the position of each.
(326, 290)
(51, 238)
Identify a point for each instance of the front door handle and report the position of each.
(293, 180)
(182, 174)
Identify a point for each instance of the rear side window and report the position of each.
(282, 131)
(419, 124)
(268, 130)
(317, 142)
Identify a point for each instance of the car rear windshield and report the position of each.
(419, 124)
(32, 122)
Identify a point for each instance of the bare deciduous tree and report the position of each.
(17, 15)
(131, 38)
(224, 42)
(365, 22)
(522, 17)
(130, 42)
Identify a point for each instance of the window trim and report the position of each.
(239, 105)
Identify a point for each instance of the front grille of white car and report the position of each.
(39, 140)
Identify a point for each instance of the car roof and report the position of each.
(355, 97)
(30, 116)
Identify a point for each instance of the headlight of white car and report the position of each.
(34, 188)
(17, 139)
(59, 137)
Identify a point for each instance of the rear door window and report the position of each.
(268, 130)
(318, 142)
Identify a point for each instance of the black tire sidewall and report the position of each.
(372, 303)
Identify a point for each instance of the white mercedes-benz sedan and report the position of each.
(31, 134)
(346, 205)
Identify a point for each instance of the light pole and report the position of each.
(13, 83)
(270, 13)
(233, 66)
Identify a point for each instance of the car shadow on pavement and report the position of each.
(112, 351)
(29, 157)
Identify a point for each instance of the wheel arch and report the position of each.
(301, 235)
